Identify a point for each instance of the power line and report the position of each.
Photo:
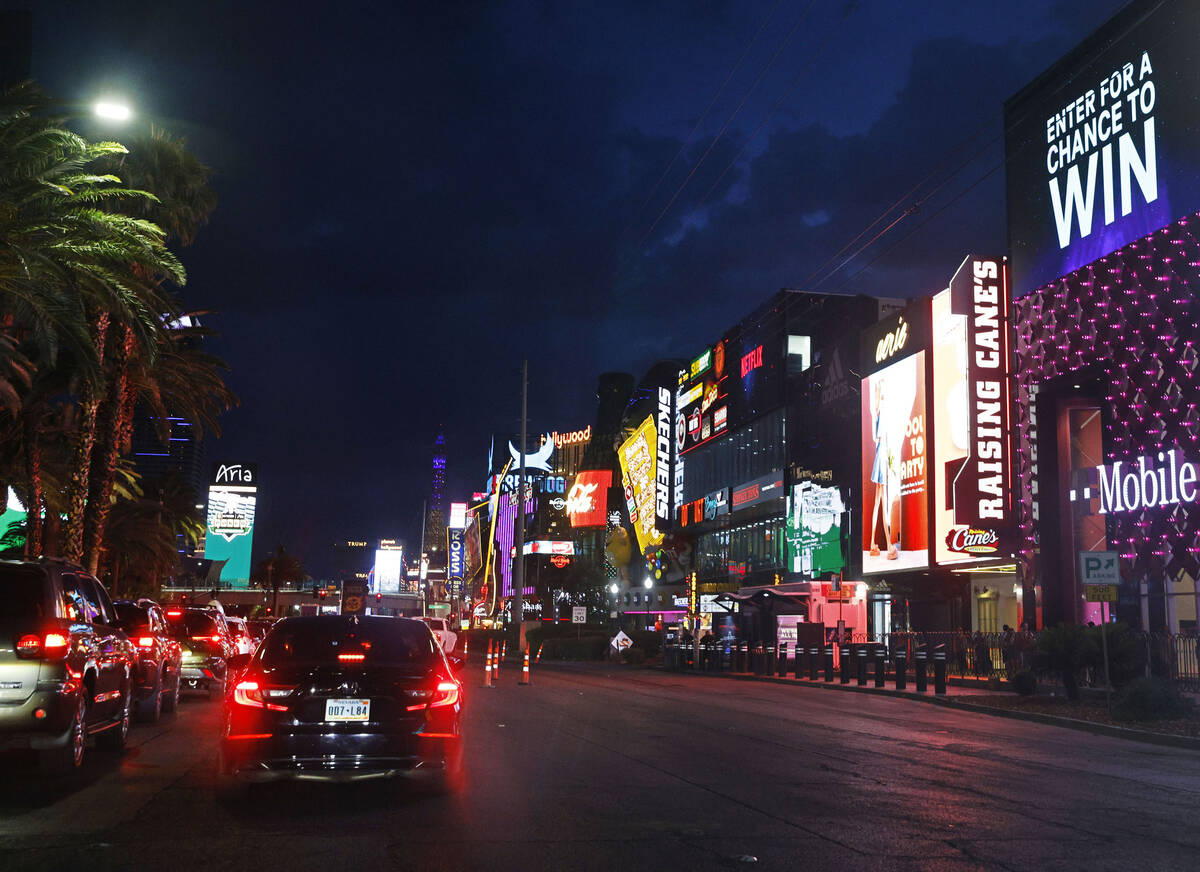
(725, 126)
(683, 145)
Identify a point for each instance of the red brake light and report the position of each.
(145, 641)
(52, 646)
(174, 613)
(206, 638)
(446, 694)
(352, 658)
(249, 693)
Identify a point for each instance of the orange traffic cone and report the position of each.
(466, 647)
(487, 669)
(525, 669)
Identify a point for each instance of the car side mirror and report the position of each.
(239, 662)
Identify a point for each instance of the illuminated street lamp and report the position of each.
(613, 589)
(648, 583)
(112, 110)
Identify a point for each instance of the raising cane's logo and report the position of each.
(971, 540)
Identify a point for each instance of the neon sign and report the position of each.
(1142, 487)
(892, 343)
(752, 360)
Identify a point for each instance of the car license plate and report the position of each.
(347, 709)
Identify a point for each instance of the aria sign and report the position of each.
(1134, 487)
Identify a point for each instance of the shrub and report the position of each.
(633, 656)
(1150, 699)
(1068, 647)
(1024, 683)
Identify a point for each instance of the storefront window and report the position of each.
(754, 450)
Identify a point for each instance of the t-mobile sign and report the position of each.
(1101, 149)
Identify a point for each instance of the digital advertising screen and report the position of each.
(637, 459)
(970, 407)
(815, 529)
(895, 475)
(587, 500)
(702, 403)
(758, 371)
(389, 567)
(1101, 149)
(229, 527)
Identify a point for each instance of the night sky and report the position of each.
(415, 196)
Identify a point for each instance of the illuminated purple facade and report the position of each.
(1105, 371)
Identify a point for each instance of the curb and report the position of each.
(1165, 739)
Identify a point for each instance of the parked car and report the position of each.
(159, 655)
(341, 697)
(446, 637)
(66, 670)
(240, 633)
(207, 647)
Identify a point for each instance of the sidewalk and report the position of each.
(956, 696)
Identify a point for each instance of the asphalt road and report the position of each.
(610, 769)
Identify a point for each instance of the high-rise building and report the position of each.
(435, 516)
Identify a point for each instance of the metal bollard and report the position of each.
(758, 659)
(743, 657)
(880, 666)
(901, 670)
(921, 669)
(772, 656)
(939, 670)
(814, 663)
(781, 669)
(845, 656)
(862, 666)
(829, 663)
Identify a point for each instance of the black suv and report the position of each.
(66, 670)
(207, 647)
(156, 680)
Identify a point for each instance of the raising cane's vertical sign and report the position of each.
(977, 484)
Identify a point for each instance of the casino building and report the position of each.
(1103, 175)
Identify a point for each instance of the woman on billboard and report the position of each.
(879, 474)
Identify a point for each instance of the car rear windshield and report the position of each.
(192, 624)
(321, 640)
(133, 615)
(22, 594)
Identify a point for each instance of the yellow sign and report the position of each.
(637, 457)
(1101, 593)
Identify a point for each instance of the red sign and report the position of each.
(752, 361)
(560, 560)
(587, 501)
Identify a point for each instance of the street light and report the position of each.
(112, 110)
(613, 589)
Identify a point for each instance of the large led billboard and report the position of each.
(895, 475)
(702, 405)
(637, 456)
(229, 529)
(1100, 150)
(389, 566)
(970, 461)
(587, 500)
(815, 529)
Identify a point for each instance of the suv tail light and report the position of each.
(51, 646)
(249, 692)
(145, 642)
(445, 694)
(213, 639)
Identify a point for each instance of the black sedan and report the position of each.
(342, 698)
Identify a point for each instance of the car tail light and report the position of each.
(174, 613)
(249, 692)
(145, 641)
(445, 694)
(213, 639)
(52, 646)
(351, 658)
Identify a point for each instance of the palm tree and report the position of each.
(277, 570)
(69, 269)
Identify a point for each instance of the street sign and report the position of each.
(578, 614)
(1100, 593)
(621, 641)
(1100, 567)
(354, 597)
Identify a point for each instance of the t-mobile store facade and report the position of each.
(1103, 174)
